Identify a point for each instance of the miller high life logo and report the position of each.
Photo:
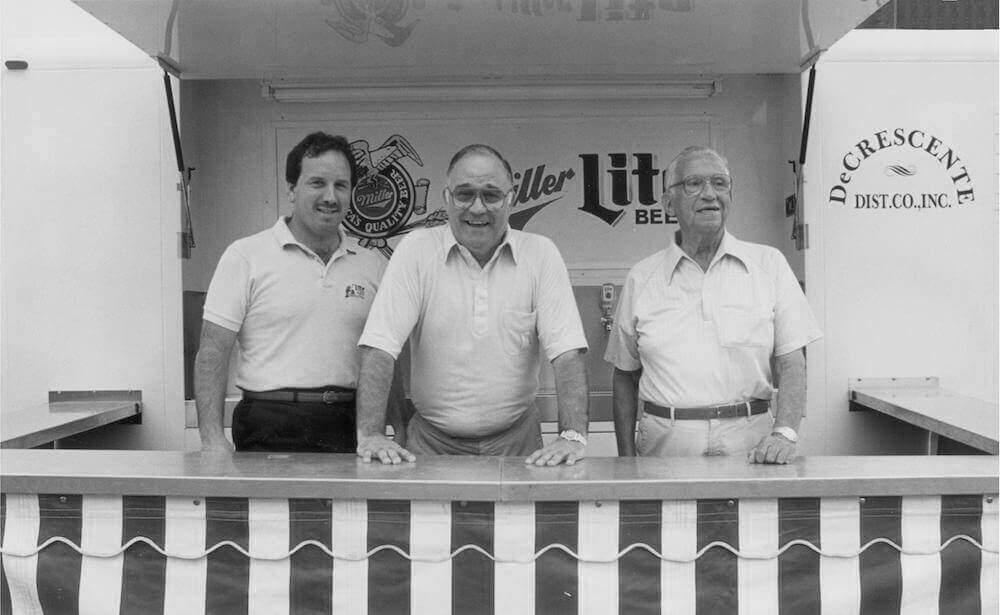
(914, 146)
(385, 196)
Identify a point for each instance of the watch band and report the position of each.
(573, 436)
(787, 432)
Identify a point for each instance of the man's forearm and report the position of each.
(397, 410)
(373, 390)
(211, 374)
(791, 373)
(625, 405)
(571, 391)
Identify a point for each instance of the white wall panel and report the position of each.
(238, 142)
(908, 290)
(91, 269)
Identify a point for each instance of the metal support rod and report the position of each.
(808, 115)
(187, 231)
(174, 129)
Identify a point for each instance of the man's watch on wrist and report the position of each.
(573, 436)
(787, 432)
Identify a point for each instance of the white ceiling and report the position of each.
(478, 39)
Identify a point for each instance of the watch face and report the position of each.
(786, 432)
(573, 436)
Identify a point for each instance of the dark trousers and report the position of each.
(295, 427)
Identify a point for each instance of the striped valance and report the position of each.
(149, 554)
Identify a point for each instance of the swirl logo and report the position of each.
(900, 170)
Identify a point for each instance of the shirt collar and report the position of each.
(733, 247)
(672, 256)
(729, 245)
(511, 239)
(285, 238)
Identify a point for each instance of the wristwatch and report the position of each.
(787, 432)
(573, 436)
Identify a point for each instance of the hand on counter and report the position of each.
(216, 445)
(558, 451)
(773, 448)
(382, 448)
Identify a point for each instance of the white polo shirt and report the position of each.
(707, 338)
(297, 318)
(476, 332)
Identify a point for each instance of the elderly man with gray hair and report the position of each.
(699, 326)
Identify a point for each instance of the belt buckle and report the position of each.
(329, 397)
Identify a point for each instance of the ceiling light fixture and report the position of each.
(637, 88)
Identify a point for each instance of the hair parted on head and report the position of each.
(689, 152)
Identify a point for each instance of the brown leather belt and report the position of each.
(330, 396)
(747, 408)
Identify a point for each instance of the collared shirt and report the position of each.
(707, 338)
(298, 319)
(475, 333)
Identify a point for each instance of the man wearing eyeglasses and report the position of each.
(477, 301)
(698, 327)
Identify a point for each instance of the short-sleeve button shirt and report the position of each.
(475, 333)
(707, 337)
(297, 318)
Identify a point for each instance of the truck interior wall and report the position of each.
(225, 128)
(901, 291)
(90, 216)
(229, 129)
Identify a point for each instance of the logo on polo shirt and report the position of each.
(354, 290)
(386, 196)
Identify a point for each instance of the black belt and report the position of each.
(750, 408)
(329, 396)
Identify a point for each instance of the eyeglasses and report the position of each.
(694, 184)
(491, 198)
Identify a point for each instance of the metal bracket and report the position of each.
(800, 233)
(168, 64)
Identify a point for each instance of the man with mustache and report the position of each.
(477, 300)
(697, 328)
(295, 298)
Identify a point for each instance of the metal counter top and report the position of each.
(922, 402)
(67, 414)
(484, 478)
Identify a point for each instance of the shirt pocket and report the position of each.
(746, 326)
(518, 331)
